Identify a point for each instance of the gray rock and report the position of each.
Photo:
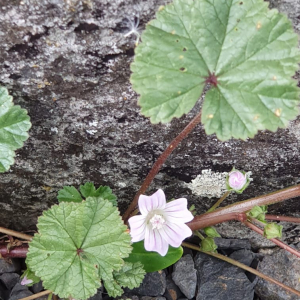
(219, 280)
(98, 295)
(172, 290)
(152, 298)
(19, 291)
(232, 244)
(37, 287)
(9, 266)
(68, 64)
(244, 256)
(9, 279)
(185, 276)
(284, 267)
(4, 292)
(154, 284)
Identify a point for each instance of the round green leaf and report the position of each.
(152, 261)
(14, 124)
(246, 52)
(77, 245)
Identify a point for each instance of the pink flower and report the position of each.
(237, 180)
(160, 224)
(26, 281)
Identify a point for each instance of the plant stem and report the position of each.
(20, 251)
(233, 211)
(16, 234)
(242, 266)
(37, 295)
(217, 204)
(282, 218)
(275, 241)
(159, 162)
(201, 237)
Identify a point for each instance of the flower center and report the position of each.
(157, 221)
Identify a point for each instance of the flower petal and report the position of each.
(155, 242)
(149, 239)
(137, 228)
(174, 233)
(176, 211)
(149, 203)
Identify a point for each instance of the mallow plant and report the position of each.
(240, 56)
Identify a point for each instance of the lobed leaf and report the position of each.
(77, 245)
(105, 192)
(246, 52)
(14, 124)
(69, 194)
(131, 275)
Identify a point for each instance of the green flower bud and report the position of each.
(211, 232)
(272, 231)
(209, 245)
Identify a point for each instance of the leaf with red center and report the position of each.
(77, 245)
(246, 52)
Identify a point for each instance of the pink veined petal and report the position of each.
(161, 245)
(155, 242)
(149, 203)
(149, 239)
(176, 211)
(137, 228)
(174, 234)
(158, 200)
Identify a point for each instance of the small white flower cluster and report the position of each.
(209, 184)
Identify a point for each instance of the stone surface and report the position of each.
(153, 298)
(232, 244)
(154, 284)
(244, 256)
(284, 267)
(67, 63)
(172, 290)
(185, 276)
(37, 287)
(9, 266)
(219, 280)
(9, 279)
(19, 291)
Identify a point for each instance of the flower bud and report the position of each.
(238, 180)
(209, 245)
(273, 230)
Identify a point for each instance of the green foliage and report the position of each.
(211, 232)
(31, 276)
(77, 245)
(70, 193)
(258, 212)
(105, 192)
(131, 275)
(14, 124)
(208, 245)
(272, 231)
(153, 261)
(246, 52)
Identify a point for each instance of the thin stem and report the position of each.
(282, 218)
(159, 162)
(20, 251)
(201, 237)
(37, 295)
(232, 212)
(275, 241)
(217, 204)
(16, 234)
(242, 266)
